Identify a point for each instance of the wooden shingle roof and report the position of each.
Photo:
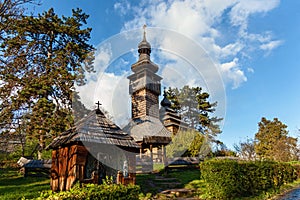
(95, 128)
(148, 130)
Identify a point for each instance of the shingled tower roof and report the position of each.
(148, 130)
(145, 88)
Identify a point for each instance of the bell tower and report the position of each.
(144, 83)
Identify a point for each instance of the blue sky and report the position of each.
(253, 44)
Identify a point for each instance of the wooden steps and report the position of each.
(180, 193)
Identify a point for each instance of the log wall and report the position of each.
(67, 166)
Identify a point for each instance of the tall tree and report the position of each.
(42, 58)
(272, 141)
(194, 107)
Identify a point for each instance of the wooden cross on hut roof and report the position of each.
(98, 107)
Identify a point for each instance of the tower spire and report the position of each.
(144, 85)
(144, 45)
(144, 27)
(144, 50)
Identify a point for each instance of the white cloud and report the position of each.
(232, 72)
(112, 92)
(202, 21)
(231, 49)
(109, 89)
(181, 73)
(179, 65)
(122, 8)
(103, 57)
(241, 11)
(250, 70)
(269, 46)
(230, 65)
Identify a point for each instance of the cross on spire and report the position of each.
(98, 104)
(144, 27)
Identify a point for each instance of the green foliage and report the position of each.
(14, 186)
(198, 186)
(92, 191)
(194, 107)
(28, 147)
(296, 165)
(11, 10)
(221, 150)
(221, 178)
(41, 58)
(200, 146)
(188, 143)
(227, 179)
(273, 143)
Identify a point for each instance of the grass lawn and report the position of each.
(14, 186)
(184, 175)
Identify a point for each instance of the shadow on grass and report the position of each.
(14, 186)
(149, 184)
(184, 175)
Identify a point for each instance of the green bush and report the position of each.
(221, 178)
(92, 191)
(228, 179)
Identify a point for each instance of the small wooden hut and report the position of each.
(93, 149)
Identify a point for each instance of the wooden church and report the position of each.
(151, 127)
(96, 147)
(93, 149)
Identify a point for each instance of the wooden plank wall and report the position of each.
(54, 171)
(67, 166)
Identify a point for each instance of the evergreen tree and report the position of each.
(272, 141)
(194, 107)
(42, 58)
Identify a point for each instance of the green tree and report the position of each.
(272, 141)
(194, 107)
(42, 58)
(189, 143)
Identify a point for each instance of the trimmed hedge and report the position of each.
(97, 192)
(228, 179)
(296, 165)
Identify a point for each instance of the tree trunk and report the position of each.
(41, 145)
